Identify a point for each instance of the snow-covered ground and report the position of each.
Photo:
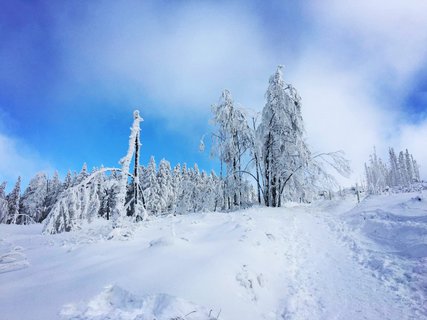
(329, 260)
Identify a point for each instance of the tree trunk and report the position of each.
(257, 179)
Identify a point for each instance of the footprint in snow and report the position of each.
(270, 236)
(250, 281)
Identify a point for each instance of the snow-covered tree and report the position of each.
(176, 187)
(282, 136)
(376, 174)
(416, 170)
(164, 178)
(119, 212)
(13, 199)
(154, 202)
(404, 175)
(54, 189)
(184, 203)
(272, 152)
(108, 194)
(68, 181)
(82, 175)
(231, 141)
(217, 186)
(409, 167)
(400, 173)
(394, 178)
(33, 201)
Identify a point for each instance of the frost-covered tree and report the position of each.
(119, 212)
(404, 175)
(273, 151)
(54, 189)
(13, 199)
(82, 175)
(195, 190)
(176, 187)
(394, 177)
(231, 141)
(108, 195)
(33, 201)
(154, 202)
(409, 167)
(164, 178)
(416, 170)
(87, 199)
(400, 173)
(217, 186)
(4, 209)
(281, 133)
(207, 195)
(376, 174)
(183, 204)
(68, 181)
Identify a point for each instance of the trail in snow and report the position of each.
(302, 262)
(328, 283)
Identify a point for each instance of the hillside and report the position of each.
(328, 260)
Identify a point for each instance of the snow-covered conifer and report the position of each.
(416, 170)
(409, 167)
(54, 189)
(82, 175)
(33, 200)
(176, 186)
(404, 176)
(13, 199)
(153, 201)
(394, 168)
(68, 181)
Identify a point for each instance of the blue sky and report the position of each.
(72, 72)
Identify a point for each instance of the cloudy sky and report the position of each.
(71, 72)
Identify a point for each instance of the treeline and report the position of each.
(164, 190)
(400, 172)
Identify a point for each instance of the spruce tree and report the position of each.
(33, 200)
(13, 200)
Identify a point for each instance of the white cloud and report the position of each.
(387, 38)
(17, 159)
(183, 57)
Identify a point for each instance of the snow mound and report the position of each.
(117, 303)
(402, 234)
(388, 235)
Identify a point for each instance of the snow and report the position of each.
(116, 303)
(328, 260)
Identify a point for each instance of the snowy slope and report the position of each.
(330, 260)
